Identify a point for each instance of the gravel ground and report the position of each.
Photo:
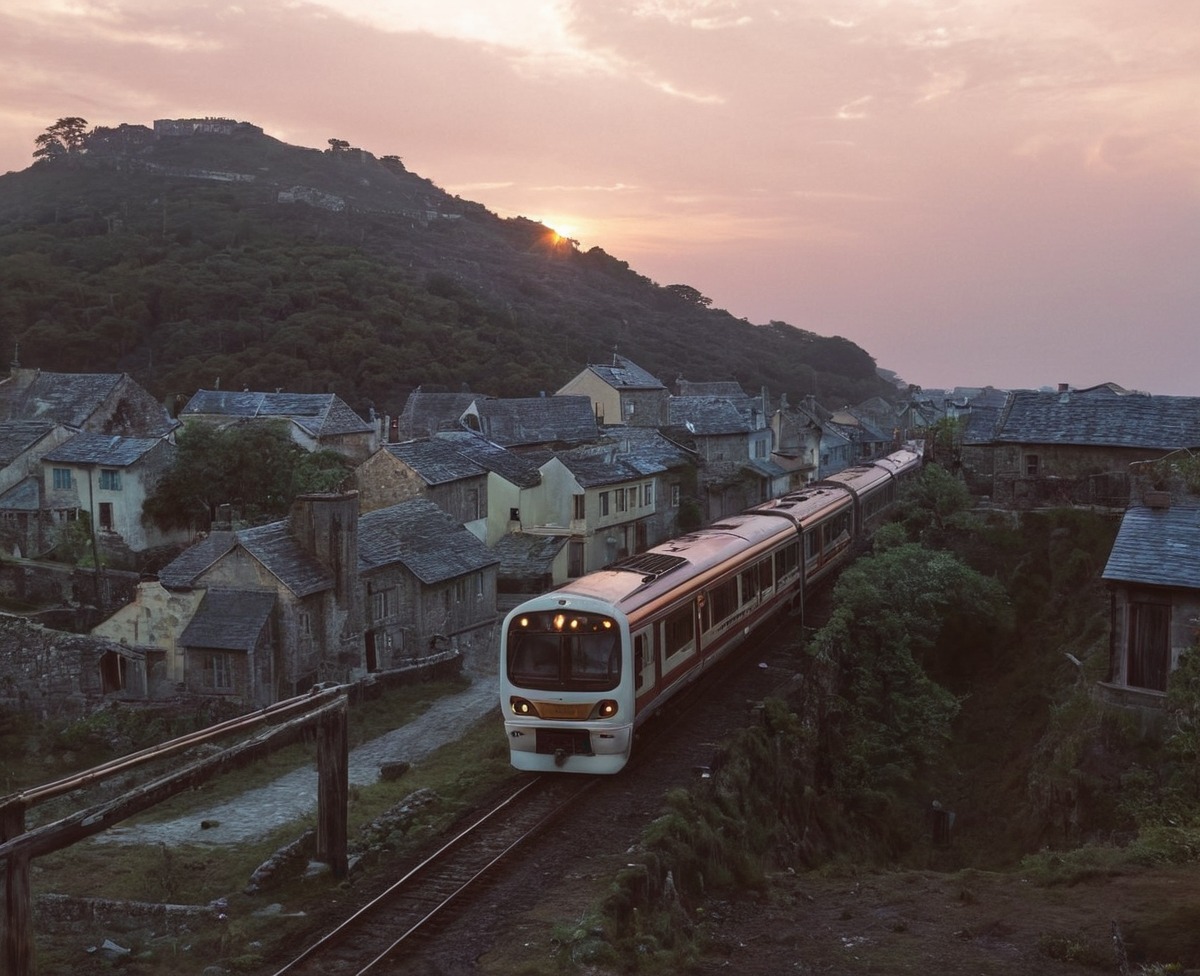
(254, 814)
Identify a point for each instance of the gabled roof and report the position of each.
(513, 468)
(272, 545)
(229, 620)
(319, 414)
(428, 542)
(624, 374)
(109, 450)
(648, 450)
(1158, 547)
(24, 496)
(1100, 417)
(517, 421)
(707, 416)
(437, 462)
(593, 470)
(61, 398)
(18, 436)
(425, 414)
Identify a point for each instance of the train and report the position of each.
(583, 666)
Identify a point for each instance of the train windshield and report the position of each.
(556, 651)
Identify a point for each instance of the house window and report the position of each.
(62, 478)
(106, 516)
(599, 412)
(760, 448)
(383, 603)
(304, 623)
(620, 496)
(1031, 465)
(1149, 645)
(218, 671)
(676, 495)
(460, 591)
(648, 494)
(579, 509)
(110, 479)
(603, 503)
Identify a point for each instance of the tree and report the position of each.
(689, 294)
(256, 468)
(338, 145)
(67, 135)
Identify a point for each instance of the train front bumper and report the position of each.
(541, 747)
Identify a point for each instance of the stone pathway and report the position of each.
(257, 812)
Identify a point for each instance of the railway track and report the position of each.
(378, 934)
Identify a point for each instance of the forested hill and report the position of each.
(235, 260)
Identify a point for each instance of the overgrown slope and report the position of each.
(243, 262)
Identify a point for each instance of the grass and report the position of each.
(457, 776)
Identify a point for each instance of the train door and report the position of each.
(644, 661)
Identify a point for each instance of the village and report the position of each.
(464, 504)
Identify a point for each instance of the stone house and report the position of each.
(315, 421)
(621, 393)
(1153, 578)
(428, 585)
(1076, 446)
(308, 631)
(430, 468)
(797, 431)
(24, 527)
(733, 451)
(108, 478)
(508, 475)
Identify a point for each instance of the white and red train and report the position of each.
(583, 666)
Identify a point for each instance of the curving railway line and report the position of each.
(380, 932)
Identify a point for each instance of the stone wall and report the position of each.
(55, 585)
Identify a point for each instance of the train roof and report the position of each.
(665, 566)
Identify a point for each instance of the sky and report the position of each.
(977, 192)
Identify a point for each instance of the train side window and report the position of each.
(787, 560)
(749, 586)
(722, 601)
(679, 637)
(812, 543)
(765, 578)
(639, 657)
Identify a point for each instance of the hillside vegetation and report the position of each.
(237, 261)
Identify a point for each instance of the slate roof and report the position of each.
(1157, 546)
(229, 620)
(525, 556)
(647, 449)
(594, 470)
(18, 436)
(109, 450)
(425, 414)
(513, 468)
(427, 541)
(623, 374)
(319, 414)
(24, 496)
(61, 398)
(438, 462)
(1100, 417)
(518, 421)
(707, 416)
(272, 545)
(632, 453)
(764, 469)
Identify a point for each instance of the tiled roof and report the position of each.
(229, 620)
(431, 544)
(513, 468)
(18, 436)
(425, 414)
(1100, 417)
(647, 449)
(979, 425)
(524, 556)
(106, 449)
(24, 496)
(437, 461)
(320, 414)
(537, 420)
(593, 470)
(1157, 546)
(62, 398)
(623, 374)
(272, 545)
(707, 416)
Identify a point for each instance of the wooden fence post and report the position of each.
(18, 929)
(333, 789)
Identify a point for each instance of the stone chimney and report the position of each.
(326, 527)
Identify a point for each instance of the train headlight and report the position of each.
(522, 706)
(606, 708)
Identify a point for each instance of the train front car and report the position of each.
(566, 685)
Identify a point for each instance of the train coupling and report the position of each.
(560, 756)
